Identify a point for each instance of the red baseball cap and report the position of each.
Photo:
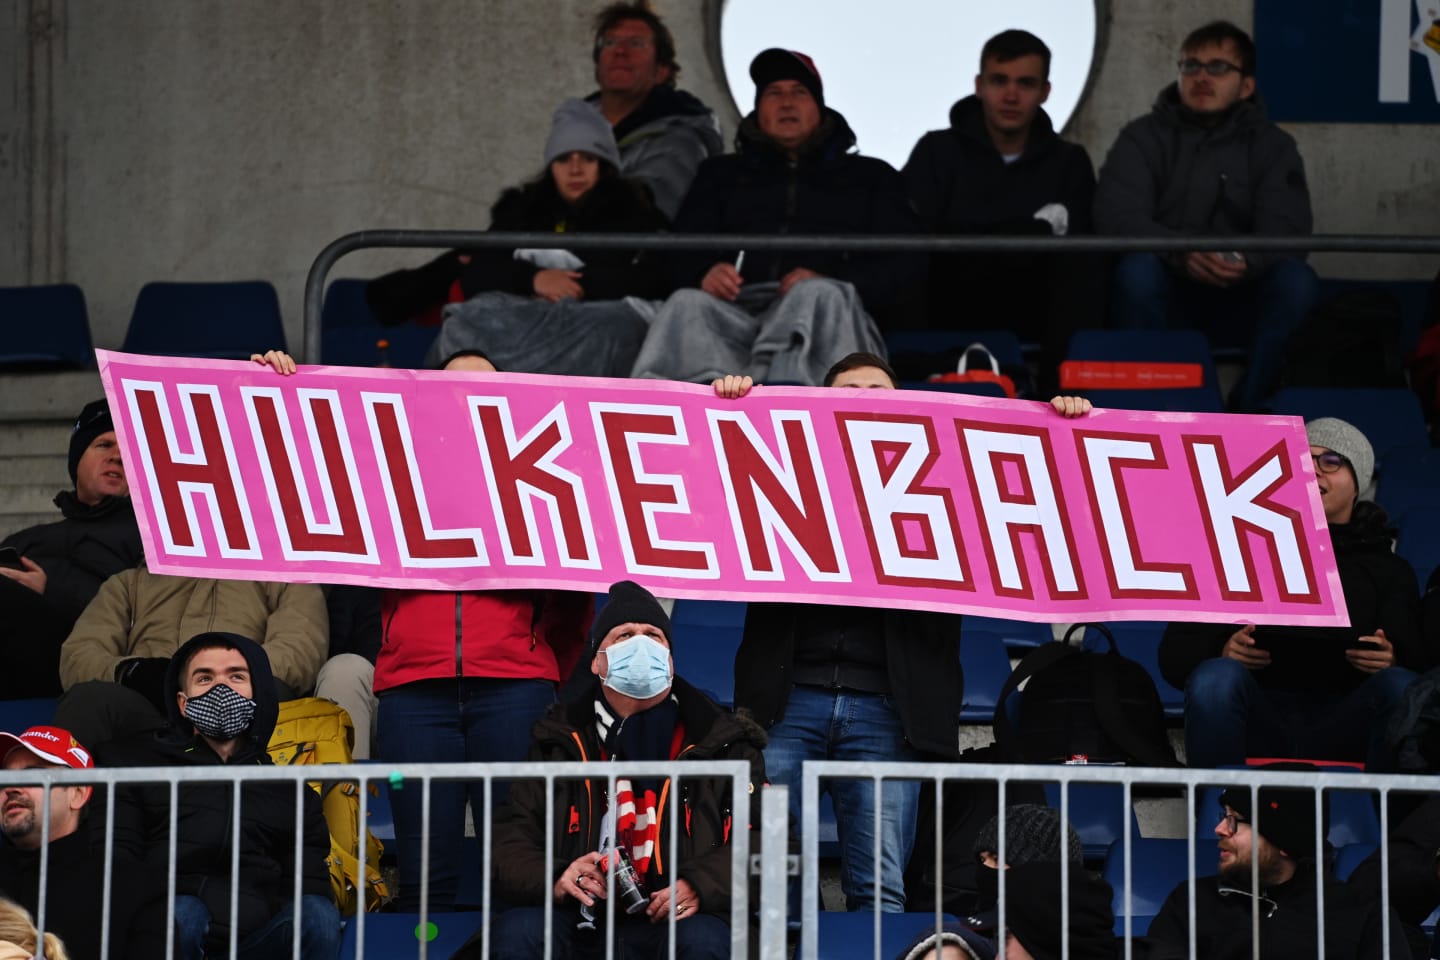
(52, 744)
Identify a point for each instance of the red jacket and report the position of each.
(505, 634)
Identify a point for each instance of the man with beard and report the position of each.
(1279, 837)
(74, 887)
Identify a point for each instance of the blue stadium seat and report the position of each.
(1349, 857)
(227, 321)
(1015, 634)
(709, 633)
(1097, 812)
(394, 936)
(1411, 294)
(987, 666)
(1389, 418)
(1003, 345)
(1150, 346)
(1409, 478)
(46, 328)
(350, 334)
(1419, 541)
(18, 715)
(852, 935)
(1157, 866)
(382, 818)
(1140, 641)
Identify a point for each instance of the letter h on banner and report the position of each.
(175, 478)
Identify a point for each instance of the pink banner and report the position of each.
(400, 478)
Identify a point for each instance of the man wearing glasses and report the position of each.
(663, 133)
(1207, 160)
(1279, 840)
(1318, 693)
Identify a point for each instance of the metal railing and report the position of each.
(413, 776)
(859, 243)
(773, 865)
(1001, 777)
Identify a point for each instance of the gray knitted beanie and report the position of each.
(1032, 834)
(579, 126)
(1350, 443)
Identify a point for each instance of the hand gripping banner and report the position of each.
(891, 498)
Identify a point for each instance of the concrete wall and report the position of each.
(215, 139)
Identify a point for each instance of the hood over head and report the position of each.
(262, 680)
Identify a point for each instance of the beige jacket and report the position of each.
(142, 614)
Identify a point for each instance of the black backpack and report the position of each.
(1101, 707)
(1349, 340)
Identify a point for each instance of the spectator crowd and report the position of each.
(154, 670)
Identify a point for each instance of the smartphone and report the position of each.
(1233, 256)
(1359, 643)
(10, 557)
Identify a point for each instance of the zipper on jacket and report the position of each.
(459, 634)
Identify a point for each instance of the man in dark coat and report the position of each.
(628, 706)
(222, 711)
(1320, 693)
(1283, 831)
(784, 315)
(1207, 160)
(74, 885)
(63, 564)
(1002, 169)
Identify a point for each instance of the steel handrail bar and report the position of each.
(877, 243)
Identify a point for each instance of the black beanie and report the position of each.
(629, 603)
(93, 421)
(1032, 912)
(1286, 816)
(777, 64)
(1032, 832)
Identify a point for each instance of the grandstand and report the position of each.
(193, 229)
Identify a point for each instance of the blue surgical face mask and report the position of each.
(639, 667)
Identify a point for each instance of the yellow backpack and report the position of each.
(316, 731)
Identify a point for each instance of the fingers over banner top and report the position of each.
(399, 478)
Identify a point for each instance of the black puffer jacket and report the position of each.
(81, 551)
(1380, 593)
(1169, 173)
(826, 190)
(710, 814)
(959, 182)
(922, 660)
(203, 845)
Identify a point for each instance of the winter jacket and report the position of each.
(711, 814)
(75, 894)
(922, 653)
(81, 551)
(506, 634)
(826, 190)
(1380, 593)
(663, 142)
(1352, 923)
(613, 205)
(204, 840)
(142, 614)
(1414, 887)
(959, 183)
(1169, 174)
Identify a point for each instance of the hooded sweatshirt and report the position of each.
(205, 816)
(663, 142)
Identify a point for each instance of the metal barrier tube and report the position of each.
(44, 879)
(235, 869)
(362, 891)
(107, 882)
(917, 243)
(774, 872)
(809, 855)
(298, 921)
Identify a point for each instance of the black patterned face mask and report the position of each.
(220, 713)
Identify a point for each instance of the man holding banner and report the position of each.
(832, 682)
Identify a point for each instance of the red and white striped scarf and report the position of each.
(638, 823)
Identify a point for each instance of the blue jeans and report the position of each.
(1229, 717)
(319, 930)
(824, 724)
(451, 721)
(1258, 313)
(520, 934)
